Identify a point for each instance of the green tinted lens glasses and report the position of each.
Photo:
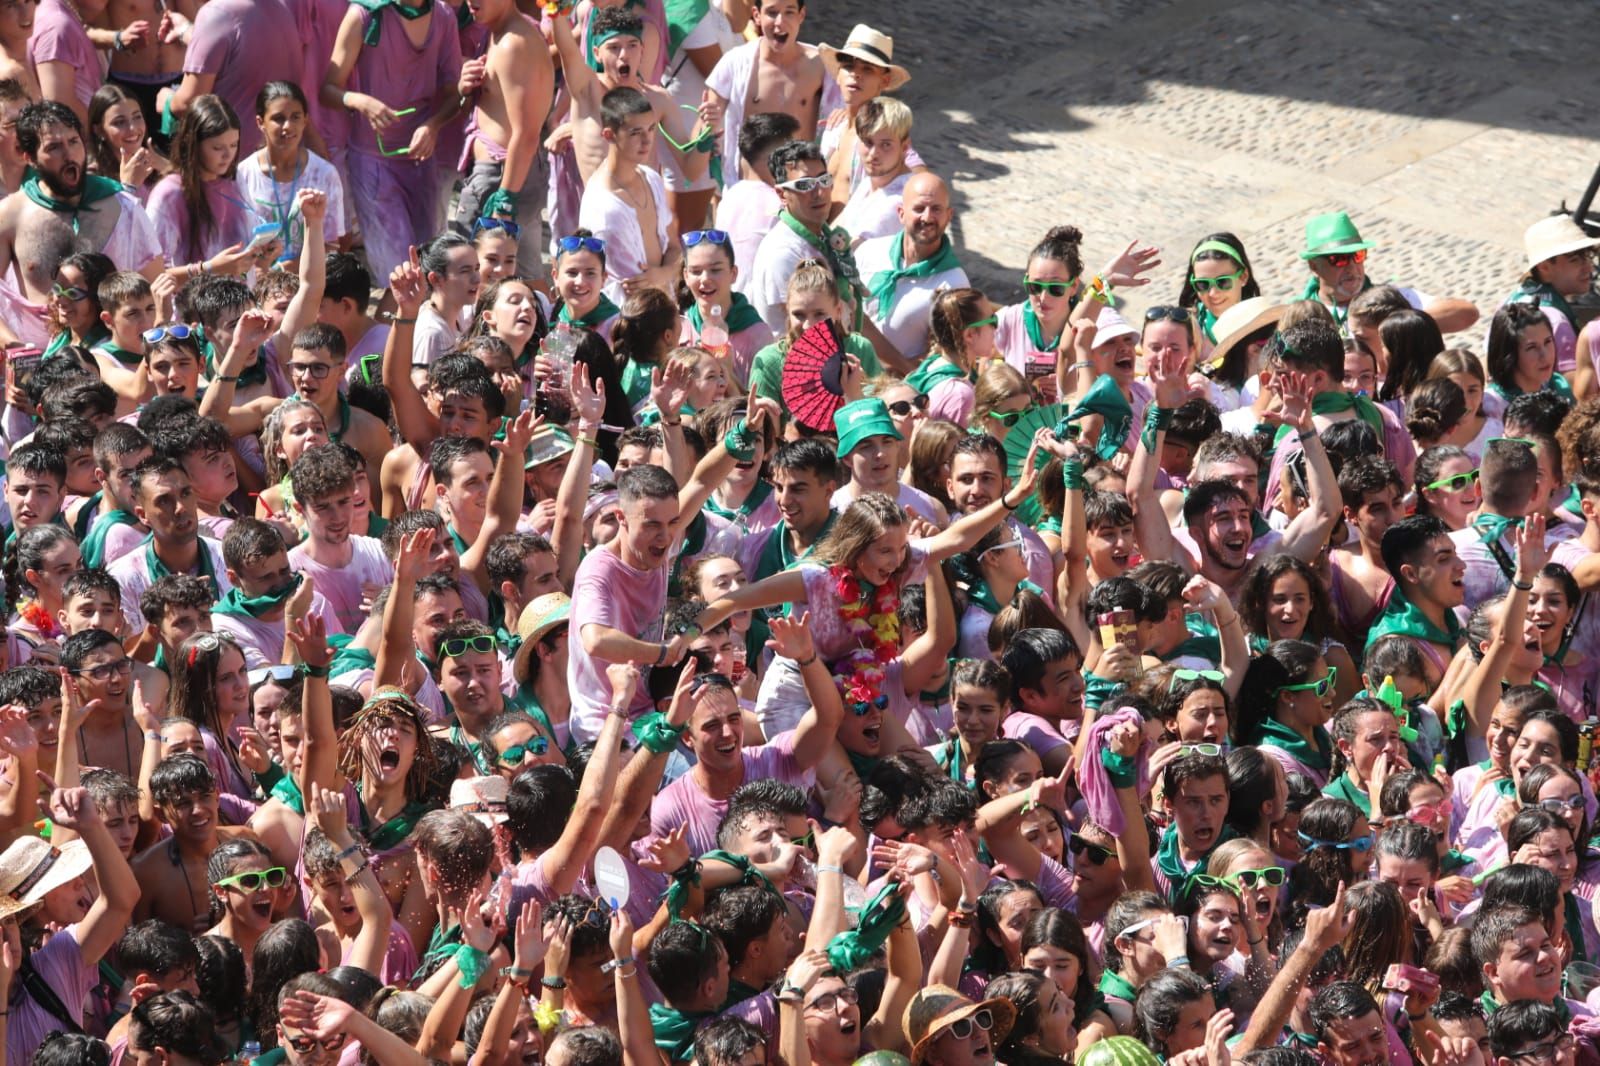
(1267, 875)
(513, 755)
(452, 649)
(1453, 483)
(251, 880)
(1054, 288)
(1007, 418)
(1224, 283)
(1320, 688)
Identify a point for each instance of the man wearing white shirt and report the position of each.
(883, 133)
(801, 233)
(904, 271)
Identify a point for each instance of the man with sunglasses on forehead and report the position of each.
(1337, 257)
(904, 271)
(801, 232)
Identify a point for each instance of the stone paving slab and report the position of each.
(1444, 128)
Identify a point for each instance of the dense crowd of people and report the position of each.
(524, 545)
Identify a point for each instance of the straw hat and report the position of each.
(539, 617)
(869, 46)
(1241, 320)
(937, 1007)
(30, 867)
(482, 797)
(1553, 236)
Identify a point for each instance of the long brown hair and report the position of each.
(209, 116)
(866, 519)
(388, 705)
(193, 692)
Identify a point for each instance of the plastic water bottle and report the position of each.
(714, 334)
(249, 1053)
(559, 347)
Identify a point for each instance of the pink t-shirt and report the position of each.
(245, 44)
(1011, 341)
(61, 964)
(683, 803)
(829, 630)
(402, 76)
(1038, 733)
(180, 240)
(609, 592)
(342, 586)
(59, 37)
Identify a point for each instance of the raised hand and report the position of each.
(834, 844)
(791, 637)
(666, 853)
(621, 934)
(474, 930)
(1128, 270)
(1218, 1029)
(328, 812)
(71, 808)
(135, 166)
(907, 859)
(299, 603)
(557, 946)
(313, 206)
(74, 712)
(974, 874)
(841, 802)
(409, 285)
(1531, 551)
(1295, 393)
(528, 943)
(682, 705)
(1329, 925)
(310, 638)
(17, 737)
(412, 561)
(1028, 478)
(624, 678)
(319, 1017)
(669, 388)
(588, 397)
(519, 434)
(147, 717)
(1123, 739)
(1170, 379)
(806, 969)
(1203, 594)
(254, 327)
(253, 750)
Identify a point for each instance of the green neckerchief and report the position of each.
(1318, 756)
(932, 371)
(1542, 294)
(885, 283)
(474, 749)
(1573, 921)
(741, 315)
(376, 7)
(1491, 527)
(1343, 788)
(87, 513)
(524, 700)
(1557, 384)
(636, 381)
(442, 943)
(1337, 402)
(1035, 328)
(234, 602)
(1489, 1004)
(875, 920)
(603, 310)
(682, 17)
(862, 764)
(1313, 291)
(1170, 863)
(1401, 616)
(1205, 640)
(758, 496)
(1208, 321)
(1113, 984)
(396, 829)
(1105, 399)
(842, 261)
(674, 1030)
(94, 545)
(457, 539)
(96, 337)
(776, 555)
(288, 793)
(1049, 524)
(158, 569)
(1097, 689)
(1454, 860)
(505, 637)
(981, 595)
(349, 659)
(126, 356)
(949, 760)
(95, 189)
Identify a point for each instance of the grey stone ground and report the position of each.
(1444, 128)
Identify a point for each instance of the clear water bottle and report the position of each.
(248, 1053)
(714, 334)
(559, 347)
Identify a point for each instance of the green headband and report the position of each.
(1218, 246)
(600, 38)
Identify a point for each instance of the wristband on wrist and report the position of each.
(1306, 434)
(1009, 506)
(805, 663)
(1520, 586)
(828, 868)
(307, 670)
(1156, 420)
(1072, 475)
(616, 964)
(1178, 961)
(151, 734)
(557, 983)
(399, 321)
(1081, 364)
(740, 442)
(656, 734)
(353, 849)
(662, 657)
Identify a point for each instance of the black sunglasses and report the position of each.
(1093, 853)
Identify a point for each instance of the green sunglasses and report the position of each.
(990, 321)
(1194, 675)
(1054, 288)
(1007, 418)
(251, 880)
(1453, 482)
(1513, 440)
(1201, 881)
(513, 755)
(1320, 688)
(1221, 284)
(1267, 875)
(459, 646)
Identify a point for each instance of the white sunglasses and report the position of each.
(1017, 543)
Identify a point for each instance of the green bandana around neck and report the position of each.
(94, 545)
(599, 313)
(758, 496)
(1557, 384)
(158, 569)
(1343, 788)
(126, 356)
(237, 604)
(834, 244)
(1491, 527)
(1543, 294)
(1116, 986)
(286, 792)
(95, 189)
(376, 8)
(982, 596)
(1313, 291)
(1105, 399)
(1170, 862)
(1031, 323)
(1490, 1005)
(740, 317)
(1337, 402)
(933, 371)
(1208, 322)
(396, 829)
(674, 1030)
(1318, 756)
(885, 283)
(1402, 616)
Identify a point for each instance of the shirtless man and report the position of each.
(625, 202)
(13, 98)
(173, 885)
(16, 26)
(514, 82)
(145, 70)
(67, 210)
(1372, 491)
(775, 72)
(864, 69)
(619, 49)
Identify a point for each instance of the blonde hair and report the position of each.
(689, 356)
(866, 519)
(932, 446)
(997, 383)
(1457, 361)
(810, 277)
(953, 311)
(1227, 855)
(883, 114)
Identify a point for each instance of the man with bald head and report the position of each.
(904, 271)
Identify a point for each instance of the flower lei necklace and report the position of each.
(38, 616)
(876, 628)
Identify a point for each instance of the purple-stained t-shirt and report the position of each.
(61, 964)
(684, 803)
(245, 44)
(341, 586)
(182, 241)
(609, 592)
(403, 76)
(1038, 733)
(59, 37)
(829, 628)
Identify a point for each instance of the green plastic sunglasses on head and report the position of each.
(459, 646)
(1194, 675)
(1319, 687)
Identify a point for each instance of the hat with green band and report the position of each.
(1331, 234)
(547, 446)
(857, 421)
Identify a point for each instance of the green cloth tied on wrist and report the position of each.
(1156, 420)
(169, 121)
(1072, 475)
(500, 202)
(854, 948)
(740, 442)
(471, 962)
(1122, 770)
(655, 734)
(678, 891)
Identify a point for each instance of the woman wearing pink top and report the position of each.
(197, 209)
(962, 327)
(708, 273)
(1029, 335)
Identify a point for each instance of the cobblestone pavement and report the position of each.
(1443, 128)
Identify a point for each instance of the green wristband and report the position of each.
(471, 962)
(655, 734)
(740, 442)
(1072, 475)
(1156, 420)
(1121, 769)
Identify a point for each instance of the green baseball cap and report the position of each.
(857, 421)
(1331, 234)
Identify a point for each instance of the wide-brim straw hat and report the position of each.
(1553, 236)
(1241, 320)
(31, 867)
(869, 46)
(937, 1007)
(542, 614)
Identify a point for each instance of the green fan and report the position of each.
(1017, 443)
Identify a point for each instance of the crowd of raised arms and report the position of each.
(522, 546)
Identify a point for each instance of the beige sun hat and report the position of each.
(869, 46)
(540, 616)
(936, 1008)
(31, 867)
(482, 797)
(1553, 236)
(1241, 320)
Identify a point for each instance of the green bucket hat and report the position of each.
(1332, 233)
(860, 420)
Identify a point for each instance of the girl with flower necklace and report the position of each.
(851, 585)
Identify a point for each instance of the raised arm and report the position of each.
(633, 1014)
(923, 658)
(885, 1028)
(319, 764)
(71, 808)
(1309, 530)
(307, 299)
(962, 534)
(570, 855)
(575, 70)
(19, 791)
(642, 777)
(254, 327)
(566, 535)
(1204, 595)
(1150, 524)
(453, 1001)
(529, 949)
(952, 952)
(814, 735)
(803, 973)
(324, 1018)
(1481, 690)
(327, 810)
(395, 647)
(1325, 928)
(787, 586)
(417, 425)
(506, 487)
